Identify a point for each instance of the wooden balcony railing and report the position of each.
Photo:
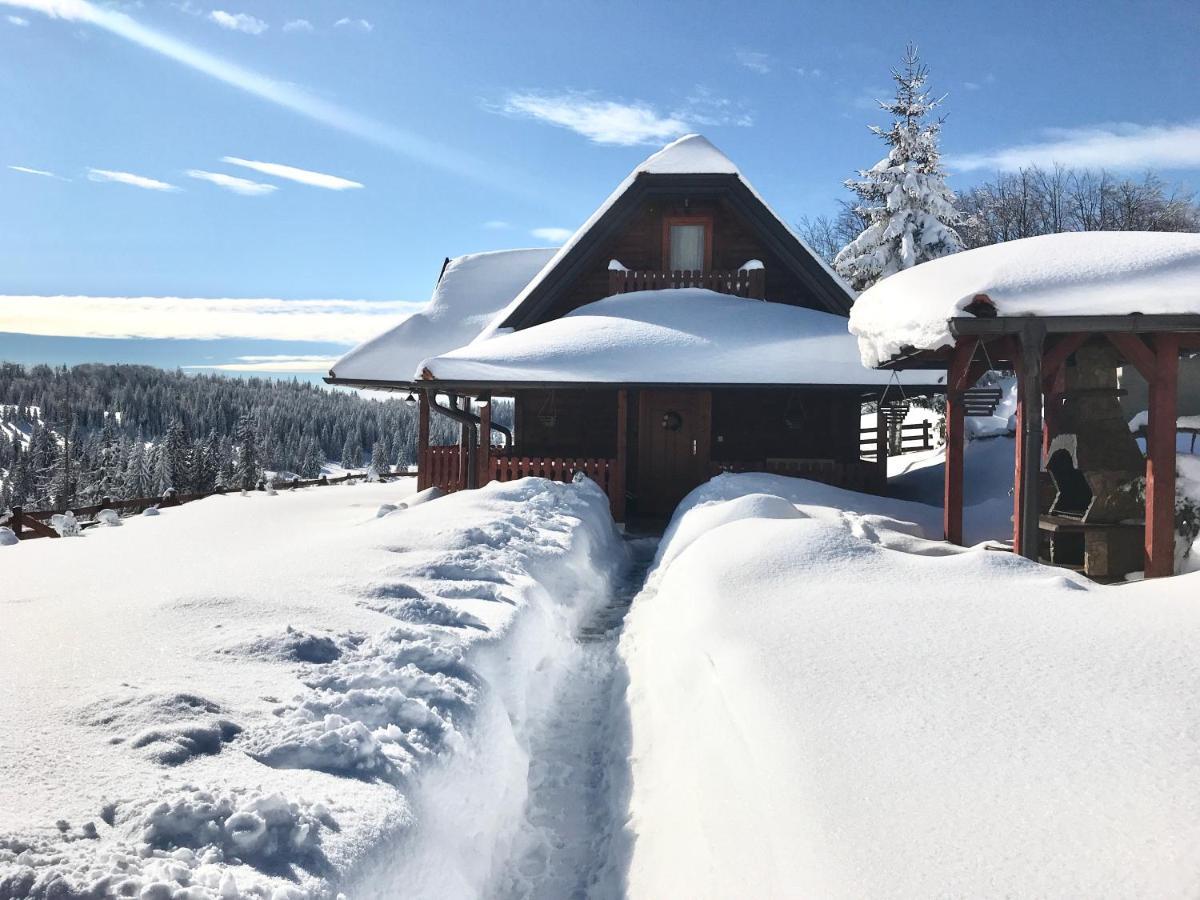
(446, 468)
(751, 283)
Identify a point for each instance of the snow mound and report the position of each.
(66, 524)
(671, 336)
(8, 537)
(833, 706)
(108, 517)
(715, 513)
(1079, 273)
(151, 511)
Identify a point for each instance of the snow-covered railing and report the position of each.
(864, 477)
(750, 283)
(604, 472)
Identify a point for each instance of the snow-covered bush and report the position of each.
(8, 537)
(108, 517)
(151, 511)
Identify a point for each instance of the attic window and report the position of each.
(687, 243)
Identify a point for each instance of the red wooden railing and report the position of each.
(443, 467)
(742, 282)
(862, 477)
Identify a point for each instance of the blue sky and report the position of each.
(141, 144)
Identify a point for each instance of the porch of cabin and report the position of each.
(648, 447)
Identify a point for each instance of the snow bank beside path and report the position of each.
(825, 704)
(288, 696)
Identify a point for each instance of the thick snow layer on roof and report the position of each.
(1081, 273)
(470, 291)
(824, 704)
(688, 335)
(692, 154)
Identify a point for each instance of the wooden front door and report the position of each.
(673, 447)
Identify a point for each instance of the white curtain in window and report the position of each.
(687, 247)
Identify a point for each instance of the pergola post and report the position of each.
(1160, 458)
(1027, 482)
(485, 441)
(423, 441)
(617, 481)
(952, 494)
(881, 445)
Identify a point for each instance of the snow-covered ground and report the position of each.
(824, 703)
(283, 696)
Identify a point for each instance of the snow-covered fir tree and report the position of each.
(904, 199)
(247, 466)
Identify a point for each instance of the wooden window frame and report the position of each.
(706, 221)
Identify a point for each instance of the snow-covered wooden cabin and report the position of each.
(683, 330)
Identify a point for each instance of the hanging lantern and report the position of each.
(411, 399)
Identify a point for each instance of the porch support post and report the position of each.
(952, 495)
(485, 441)
(423, 441)
(617, 481)
(470, 469)
(1027, 482)
(1160, 458)
(881, 446)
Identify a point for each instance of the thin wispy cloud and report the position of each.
(304, 176)
(553, 235)
(496, 225)
(243, 22)
(25, 170)
(333, 321)
(282, 362)
(602, 121)
(137, 181)
(705, 107)
(298, 25)
(755, 60)
(1112, 146)
(808, 73)
(19, 21)
(282, 94)
(243, 186)
(972, 85)
(357, 24)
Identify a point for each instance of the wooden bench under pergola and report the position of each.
(1003, 303)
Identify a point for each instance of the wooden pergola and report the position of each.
(1037, 349)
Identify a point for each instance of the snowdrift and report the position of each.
(824, 703)
(288, 696)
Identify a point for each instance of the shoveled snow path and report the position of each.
(576, 766)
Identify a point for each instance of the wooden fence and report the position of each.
(741, 283)
(27, 524)
(510, 468)
(913, 436)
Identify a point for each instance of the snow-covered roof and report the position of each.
(1074, 274)
(472, 288)
(692, 154)
(683, 336)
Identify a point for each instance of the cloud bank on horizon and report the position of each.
(345, 322)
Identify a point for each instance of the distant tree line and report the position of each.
(70, 436)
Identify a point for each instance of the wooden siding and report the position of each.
(754, 424)
(584, 423)
(640, 247)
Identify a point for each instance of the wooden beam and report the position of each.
(423, 441)
(484, 460)
(1027, 475)
(1056, 357)
(1160, 458)
(617, 485)
(1136, 353)
(952, 494)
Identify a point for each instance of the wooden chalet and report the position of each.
(683, 331)
(1064, 313)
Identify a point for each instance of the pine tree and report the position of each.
(136, 482)
(247, 467)
(904, 199)
(175, 458)
(312, 458)
(379, 460)
(351, 453)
